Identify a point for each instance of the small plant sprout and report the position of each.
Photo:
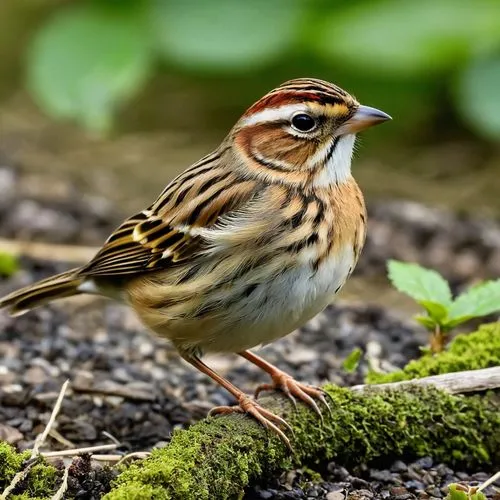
(432, 292)
(351, 362)
(459, 491)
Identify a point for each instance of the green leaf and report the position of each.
(477, 96)
(478, 496)
(435, 310)
(426, 321)
(9, 264)
(426, 286)
(463, 492)
(225, 34)
(88, 59)
(479, 301)
(352, 361)
(408, 38)
(448, 324)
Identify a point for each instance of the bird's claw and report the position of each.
(268, 419)
(294, 390)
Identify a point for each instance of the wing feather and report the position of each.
(157, 238)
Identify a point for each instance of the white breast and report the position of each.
(275, 309)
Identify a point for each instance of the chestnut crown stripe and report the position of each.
(311, 84)
(290, 98)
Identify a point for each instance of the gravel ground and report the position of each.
(421, 479)
(135, 387)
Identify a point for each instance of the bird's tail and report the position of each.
(40, 293)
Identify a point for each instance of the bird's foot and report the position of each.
(268, 419)
(295, 390)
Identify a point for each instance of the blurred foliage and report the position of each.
(9, 264)
(91, 56)
(351, 362)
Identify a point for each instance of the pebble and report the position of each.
(381, 475)
(424, 462)
(302, 356)
(399, 466)
(34, 375)
(6, 376)
(335, 495)
(414, 484)
(399, 493)
(10, 434)
(372, 483)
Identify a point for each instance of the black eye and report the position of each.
(303, 122)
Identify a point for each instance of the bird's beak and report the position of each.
(364, 117)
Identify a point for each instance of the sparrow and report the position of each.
(244, 246)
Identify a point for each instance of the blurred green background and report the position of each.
(123, 94)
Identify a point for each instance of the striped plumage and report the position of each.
(249, 242)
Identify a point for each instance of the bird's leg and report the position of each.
(245, 402)
(287, 384)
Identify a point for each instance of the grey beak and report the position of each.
(365, 117)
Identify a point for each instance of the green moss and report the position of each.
(218, 458)
(467, 351)
(10, 463)
(41, 481)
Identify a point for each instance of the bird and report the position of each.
(246, 245)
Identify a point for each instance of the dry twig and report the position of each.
(40, 439)
(59, 494)
(79, 451)
(121, 458)
(489, 481)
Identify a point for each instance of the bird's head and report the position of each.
(302, 132)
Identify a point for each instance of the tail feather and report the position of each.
(56, 287)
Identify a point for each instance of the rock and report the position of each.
(335, 495)
(10, 434)
(35, 375)
(398, 466)
(424, 463)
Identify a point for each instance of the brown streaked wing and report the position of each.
(149, 241)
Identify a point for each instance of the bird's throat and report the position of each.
(336, 162)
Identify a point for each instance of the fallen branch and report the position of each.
(454, 383)
(219, 457)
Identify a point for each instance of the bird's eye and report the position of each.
(303, 122)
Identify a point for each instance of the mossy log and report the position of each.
(219, 457)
